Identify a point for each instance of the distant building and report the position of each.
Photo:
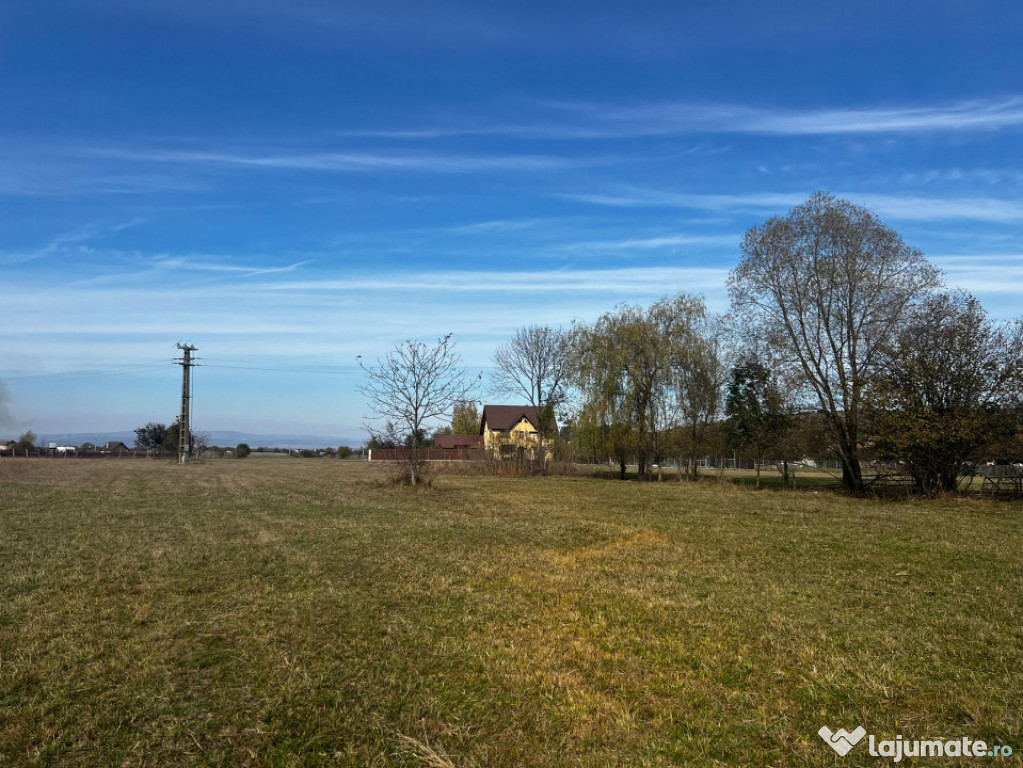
(456, 442)
(507, 429)
(7, 445)
(115, 447)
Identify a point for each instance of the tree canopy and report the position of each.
(949, 386)
(465, 419)
(827, 286)
(151, 436)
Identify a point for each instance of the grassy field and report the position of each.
(306, 613)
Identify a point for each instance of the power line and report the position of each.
(286, 369)
(85, 373)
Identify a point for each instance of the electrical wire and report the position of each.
(285, 369)
(85, 373)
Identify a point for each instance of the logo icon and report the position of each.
(841, 740)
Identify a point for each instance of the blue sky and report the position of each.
(289, 185)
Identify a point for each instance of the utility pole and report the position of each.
(184, 428)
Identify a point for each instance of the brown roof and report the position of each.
(452, 442)
(507, 416)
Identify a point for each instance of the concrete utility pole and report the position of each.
(184, 428)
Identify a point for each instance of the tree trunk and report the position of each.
(540, 459)
(852, 476)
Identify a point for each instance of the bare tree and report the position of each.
(412, 385)
(201, 442)
(828, 285)
(535, 365)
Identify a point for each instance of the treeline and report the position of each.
(157, 438)
(842, 341)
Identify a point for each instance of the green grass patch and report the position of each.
(307, 613)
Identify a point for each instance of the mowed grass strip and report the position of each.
(306, 613)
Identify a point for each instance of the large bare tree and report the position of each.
(535, 365)
(828, 285)
(412, 385)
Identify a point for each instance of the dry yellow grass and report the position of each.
(307, 613)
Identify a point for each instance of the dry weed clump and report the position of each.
(423, 753)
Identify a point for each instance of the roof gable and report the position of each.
(502, 417)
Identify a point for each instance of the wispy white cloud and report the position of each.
(969, 260)
(497, 225)
(655, 243)
(638, 280)
(671, 118)
(636, 197)
(989, 176)
(35, 169)
(303, 317)
(984, 274)
(203, 263)
(76, 240)
(583, 120)
(344, 162)
(900, 207)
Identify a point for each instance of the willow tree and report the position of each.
(700, 354)
(828, 286)
(623, 369)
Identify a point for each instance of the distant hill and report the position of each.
(217, 437)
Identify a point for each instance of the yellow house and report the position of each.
(509, 428)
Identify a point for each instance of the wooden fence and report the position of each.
(43, 453)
